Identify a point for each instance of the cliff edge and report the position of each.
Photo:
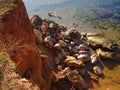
(18, 40)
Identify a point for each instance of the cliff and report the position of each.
(18, 40)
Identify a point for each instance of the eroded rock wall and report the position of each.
(18, 40)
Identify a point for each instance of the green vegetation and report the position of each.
(6, 5)
(4, 58)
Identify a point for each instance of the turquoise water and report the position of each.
(81, 12)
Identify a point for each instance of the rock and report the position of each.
(63, 53)
(62, 43)
(97, 70)
(83, 47)
(83, 52)
(73, 62)
(59, 68)
(36, 21)
(38, 36)
(52, 26)
(76, 55)
(45, 24)
(43, 29)
(92, 34)
(84, 37)
(100, 42)
(108, 55)
(66, 70)
(74, 49)
(76, 79)
(74, 34)
(93, 58)
(57, 46)
(48, 42)
(72, 43)
(58, 75)
(83, 57)
(82, 70)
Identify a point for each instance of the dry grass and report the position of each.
(6, 5)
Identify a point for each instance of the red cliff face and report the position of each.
(18, 40)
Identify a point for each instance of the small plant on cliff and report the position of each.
(9, 79)
(6, 5)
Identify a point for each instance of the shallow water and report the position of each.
(90, 15)
(82, 12)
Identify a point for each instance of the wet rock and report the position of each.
(97, 70)
(74, 34)
(83, 47)
(83, 57)
(108, 55)
(100, 42)
(73, 62)
(52, 26)
(84, 37)
(92, 34)
(36, 21)
(94, 58)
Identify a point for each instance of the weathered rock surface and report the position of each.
(73, 62)
(105, 48)
(108, 55)
(17, 38)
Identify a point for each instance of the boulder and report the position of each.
(100, 42)
(62, 43)
(73, 62)
(108, 55)
(48, 42)
(83, 47)
(97, 70)
(94, 58)
(83, 57)
(36, 21)
(74, 34)
(76, 79)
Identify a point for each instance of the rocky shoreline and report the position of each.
(78, 55)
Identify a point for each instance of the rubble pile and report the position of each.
(73, 54)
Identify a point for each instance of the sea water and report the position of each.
(84, 13)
